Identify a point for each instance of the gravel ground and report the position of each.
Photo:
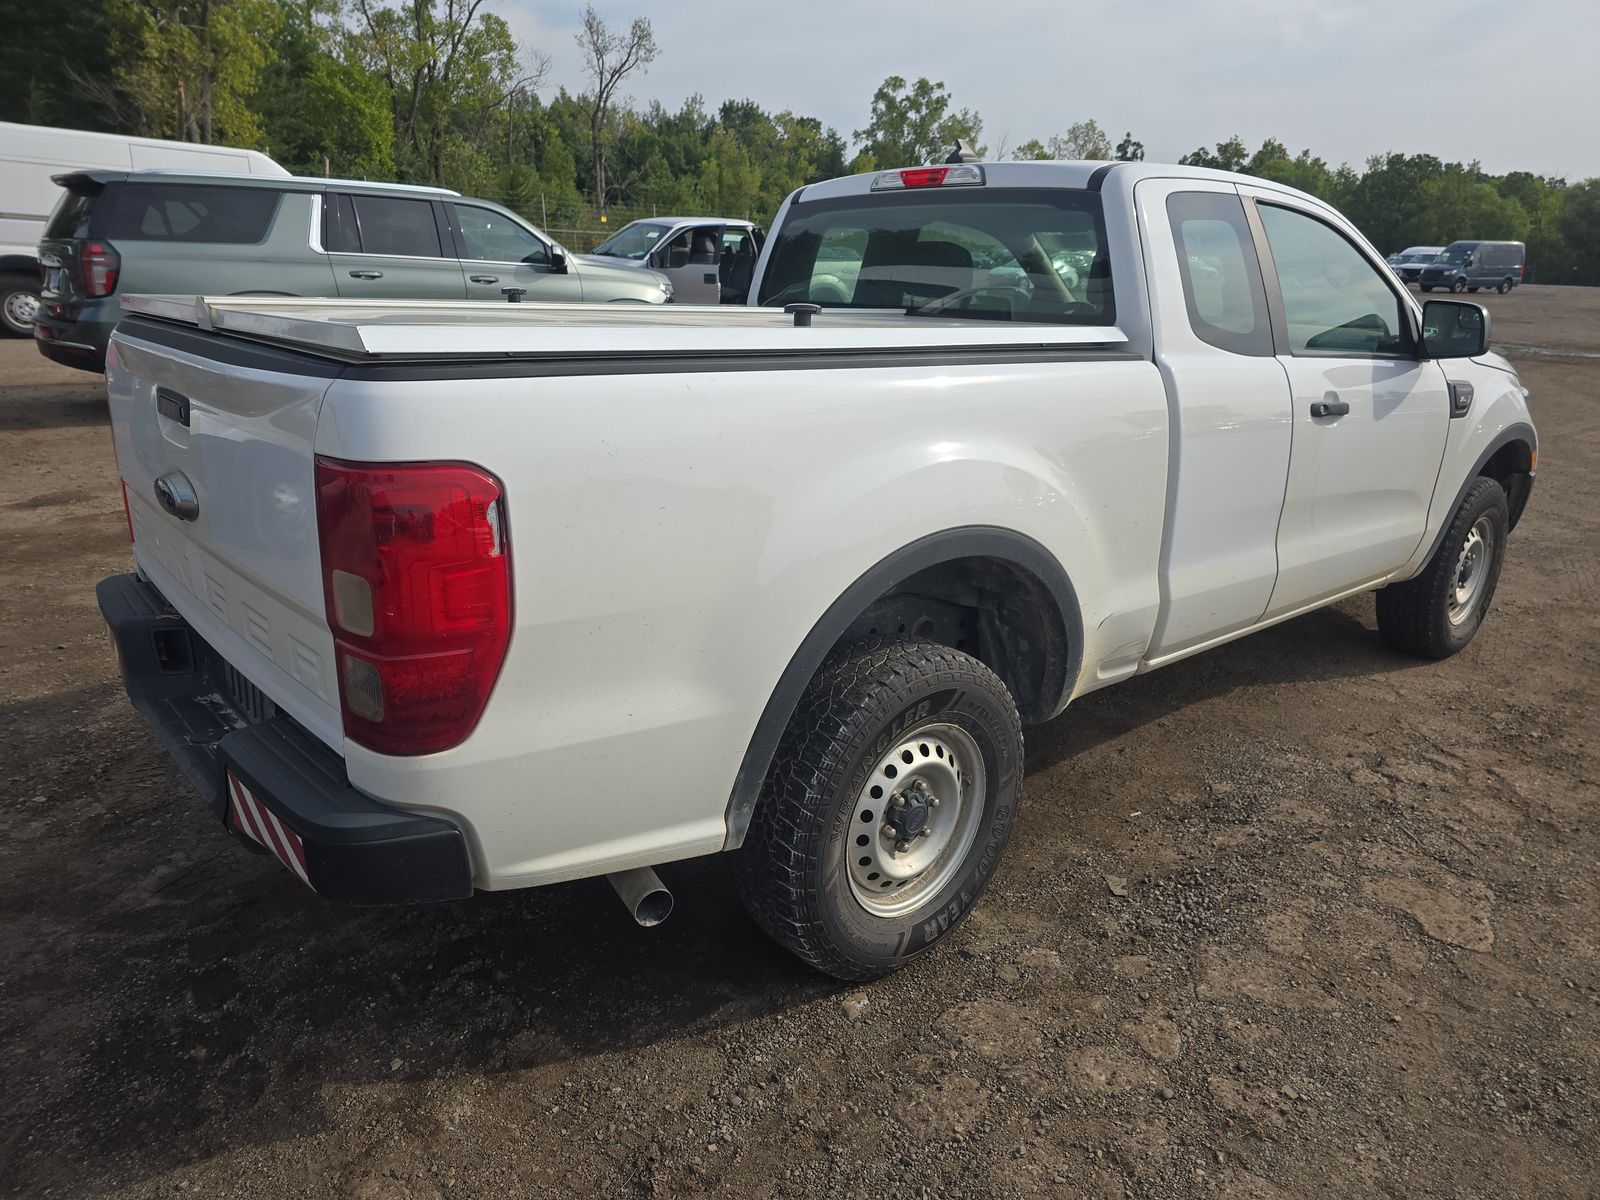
(1299, 917)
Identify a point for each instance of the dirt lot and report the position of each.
(1296, 918)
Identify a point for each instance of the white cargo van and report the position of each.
(31, 154)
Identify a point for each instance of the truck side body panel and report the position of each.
(737, 505)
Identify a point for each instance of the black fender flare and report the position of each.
(1520, 431)
(19, 264)
(972, 541)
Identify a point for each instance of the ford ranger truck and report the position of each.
(440, 597)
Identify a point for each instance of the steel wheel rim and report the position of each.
(938, 772)
(21, 309)
(1472, 571)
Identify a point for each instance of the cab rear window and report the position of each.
(180, 212)
(1005, 255)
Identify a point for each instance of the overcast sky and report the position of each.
(1513, 83)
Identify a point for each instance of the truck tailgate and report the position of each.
(243, 567)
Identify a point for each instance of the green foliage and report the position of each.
(188, 68)
(1083, 140)
(915, 124)
(438, 90)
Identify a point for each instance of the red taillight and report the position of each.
(127, 512)
(417, 585)
(98, 264)
(923, 176)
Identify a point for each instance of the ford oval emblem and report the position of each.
(176, 494)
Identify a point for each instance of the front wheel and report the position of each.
(19, 304)
(1459, 286)
(887, 808)
(1427, 287)
(1436, 614)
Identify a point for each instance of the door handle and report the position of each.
(709, 277)
(485, 278)
(1330, 408)
(366, 274)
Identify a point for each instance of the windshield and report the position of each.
(1003, 255)
(1427, 256)
(633, 241)
(1458, 253)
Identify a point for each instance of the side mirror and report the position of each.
(1454, 329)
(558, 260)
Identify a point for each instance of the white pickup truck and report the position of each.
(440, 597)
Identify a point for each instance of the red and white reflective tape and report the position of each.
(256, 821)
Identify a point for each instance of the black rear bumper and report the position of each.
(213, 721)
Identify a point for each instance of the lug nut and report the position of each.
(887, 830)
(933, 802)
(897, 800)
(902, 846)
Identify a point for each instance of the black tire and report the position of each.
(1505, 286)
(1471, 288)
(1416, 616)
(19, 295)
(796, 873)
(1427, 287)
(1459, 286)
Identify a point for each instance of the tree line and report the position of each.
(438, 91)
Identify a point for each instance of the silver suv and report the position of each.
(119, 232)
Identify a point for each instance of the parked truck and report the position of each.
(440, 597)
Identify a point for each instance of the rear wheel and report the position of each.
(19, 304)
(887, 808)
(1436, 614)
(1505, 286)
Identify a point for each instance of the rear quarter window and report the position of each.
(192, 213)
(70, 217)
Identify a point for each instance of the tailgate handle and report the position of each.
(173, 406)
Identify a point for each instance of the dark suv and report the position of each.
(1468, 266)
(118, 232)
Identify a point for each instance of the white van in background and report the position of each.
(31, 154)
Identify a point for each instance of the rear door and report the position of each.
(498, 252)
(244, 568)
(692, 259)
(391, 247)
(1369, 418)
(1230, 411)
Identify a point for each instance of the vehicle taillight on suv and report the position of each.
(417, 583)
(99, 264)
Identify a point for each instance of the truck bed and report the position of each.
(412, 330)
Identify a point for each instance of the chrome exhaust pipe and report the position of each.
(643, 894)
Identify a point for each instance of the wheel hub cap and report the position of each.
(22, 308)
(916, 817)
(1472, 571)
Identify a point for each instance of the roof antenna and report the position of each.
(963, 153)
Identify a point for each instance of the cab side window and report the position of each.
(1334, 300)
(1222, 285)
(494, 237)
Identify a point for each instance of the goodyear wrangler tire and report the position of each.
(1436, 614)
(887, 808)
